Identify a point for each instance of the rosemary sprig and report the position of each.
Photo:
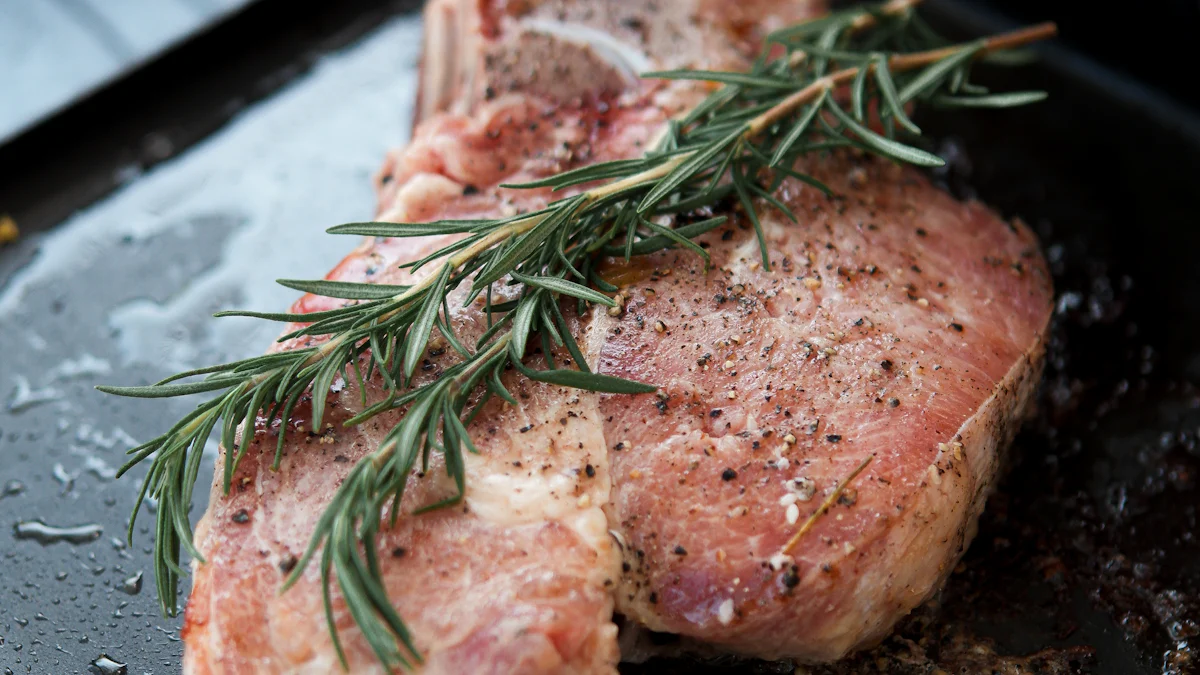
(737, 145)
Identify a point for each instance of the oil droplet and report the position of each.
(12, 488)
(48, 534)
(99, 468)
(65, 479)
(103, 665)
(25, 396)
(133, 585)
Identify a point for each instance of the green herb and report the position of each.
(738, 143)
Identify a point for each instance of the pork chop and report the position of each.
(895, 323)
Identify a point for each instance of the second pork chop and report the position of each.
(895, 324)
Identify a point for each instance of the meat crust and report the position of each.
(893, 322)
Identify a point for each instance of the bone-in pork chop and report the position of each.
(897, 324)
(894, 323)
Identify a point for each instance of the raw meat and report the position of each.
(895, 323)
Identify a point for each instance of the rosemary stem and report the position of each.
(825, 506)
(785, 107)
(638, 178)
(1010, 40)
(1016, 38)
(482, 357)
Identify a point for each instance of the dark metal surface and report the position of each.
(54, 52)
(1142, 43)
(1087, 558)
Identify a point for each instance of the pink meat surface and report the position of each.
(894, 323)
(898, 324)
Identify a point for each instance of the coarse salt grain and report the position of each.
(725, 612)
(778, 560)
(793, 514)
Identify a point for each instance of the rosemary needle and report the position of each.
(736, 144)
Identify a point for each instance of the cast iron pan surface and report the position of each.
(1086, 560)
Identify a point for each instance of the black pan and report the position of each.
(1087, 559)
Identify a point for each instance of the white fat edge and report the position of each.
(334, 124)
(516, 498)
(504, 494)
(628, 59)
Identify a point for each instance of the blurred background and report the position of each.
(54, 52)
